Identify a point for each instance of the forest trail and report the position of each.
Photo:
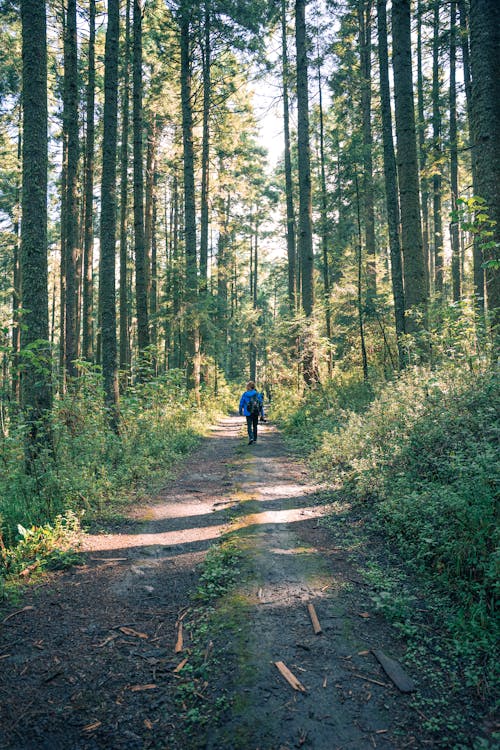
(87, 660)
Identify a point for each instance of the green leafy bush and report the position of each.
(425, 454)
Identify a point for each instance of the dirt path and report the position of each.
(86, 662)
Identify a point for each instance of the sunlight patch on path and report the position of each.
(95, 542)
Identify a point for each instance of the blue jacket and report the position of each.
(245, 400)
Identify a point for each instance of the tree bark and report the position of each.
(290, 212)
(205, 153)
(364, 39)
(454, 230)
(422, 148)
(478, 270)
(70, 118)
(305, 244)
(35, 379)
(437, 152)
(88, 244)
(391, 186)
(192, 368)
(108, 215)
(124, 305)
(139, 243)
(485, 65)
(411, 232)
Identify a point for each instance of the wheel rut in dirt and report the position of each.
(347, 702)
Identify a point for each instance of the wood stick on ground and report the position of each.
(369, 679)
(180, 642)
(314, 619)
(289, 676)
(395, 672)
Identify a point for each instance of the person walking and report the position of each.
(252, 407)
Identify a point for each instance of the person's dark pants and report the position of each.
(252, 422)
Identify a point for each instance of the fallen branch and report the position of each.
(17, 612)
(289, 677)
(314, 619)
(369, 679)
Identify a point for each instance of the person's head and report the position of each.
(250, 385)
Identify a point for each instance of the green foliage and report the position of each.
(42, 547)
(90, 467)
(424, 452)
(220, 571)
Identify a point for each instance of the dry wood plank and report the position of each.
(314, 619)
(369, 679)
(180, 665)
(289, 676)
(133, 632)
(180, 641)
(395, 672)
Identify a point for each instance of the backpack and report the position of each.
(254, 405)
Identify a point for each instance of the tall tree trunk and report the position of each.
(422, 147)
(193, 342)
(16, 281)
(391, 186)
(290, 212)
(305, 244)
(108, 214)
(35, 384)
(124, 358)
(205, 152)
(365, 30)
(148, 213)
(478, 270)
(88, 244)
(454, 231)
(411, 232)
(70, 117)
(364, 358)
(139, 243)
(437, 151)
(324, 225)
(485, 64)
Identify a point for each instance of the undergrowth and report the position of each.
(421, 452)
(201, 695)
(92, 471)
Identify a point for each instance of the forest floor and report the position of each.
(88, 660)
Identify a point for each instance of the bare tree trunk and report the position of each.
(411, 232)
(305, 245)
(478, 270)
(324, 225)
(139, 243)
(205, 155)
(36, 381)
(437, 151)
(16, 261)
(70, 117)
(124, 323)
(391, 186)
(422, 147)
(193, 341)
(485, 63)
(108, 215)
(454, 231)
(88, 244)
(365, 27)
(290, 212)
